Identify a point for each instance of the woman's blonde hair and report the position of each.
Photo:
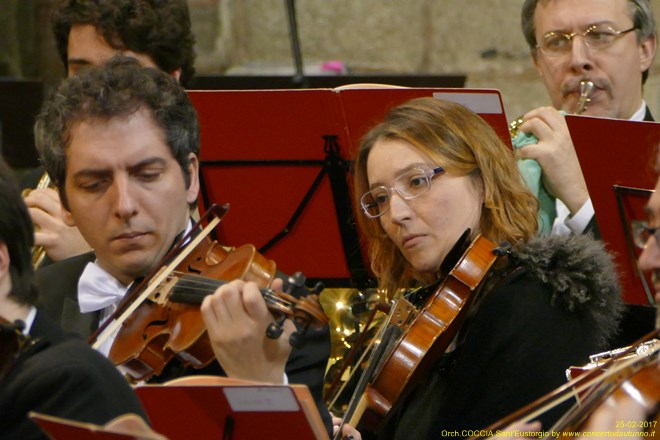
(462, 143)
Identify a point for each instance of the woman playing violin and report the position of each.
(430, 171)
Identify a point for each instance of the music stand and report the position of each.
(616, 158)
(269, 82)
(280, 158)
(231, 409)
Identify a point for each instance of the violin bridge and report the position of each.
(160, 295)
(402, 312)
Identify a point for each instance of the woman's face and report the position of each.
(427, 227)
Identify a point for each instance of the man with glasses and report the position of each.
(611, 43)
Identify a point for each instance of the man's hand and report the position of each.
(236, 318)
(555, 153)
(59, 240)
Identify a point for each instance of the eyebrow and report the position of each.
(403, 171)
(91, 172)
(78, 62)
(596, 23)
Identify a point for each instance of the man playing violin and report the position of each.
(629, 412)
(53, 373)
(121, 142)
(611, 43)
(631, 409)
(647, 236)
(87, 33)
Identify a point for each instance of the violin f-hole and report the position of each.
(194, 270)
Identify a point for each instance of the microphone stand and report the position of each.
(299, 79)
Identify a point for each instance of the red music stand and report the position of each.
(219, 407)
(280, 158)
(617, 158)
(125, 427)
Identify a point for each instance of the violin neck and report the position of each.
(191, 289)
(188, 290)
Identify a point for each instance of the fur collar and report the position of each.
(581, 274)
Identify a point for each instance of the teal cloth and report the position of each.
(533, 176)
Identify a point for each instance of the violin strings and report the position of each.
(208, 285)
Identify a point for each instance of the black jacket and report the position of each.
(60, 375)
(561, 305)
(58, 287)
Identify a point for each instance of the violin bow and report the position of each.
(190, 241)
(577, 385)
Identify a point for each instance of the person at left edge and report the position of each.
(121, 143)
(58, 374)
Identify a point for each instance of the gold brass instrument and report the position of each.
(586, 87)
(38, 252)
(355, 319)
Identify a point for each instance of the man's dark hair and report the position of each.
(16, 232)
(115, 89)
(158, 28)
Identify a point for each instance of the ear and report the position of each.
(647, 52)
(67, 217)
(535, 60)
(4, 260)
(479, 186)
(193, 169)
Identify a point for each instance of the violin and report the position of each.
(629, 385)
(627, 382)
(12, 343)
(160, 320)
(416, 337)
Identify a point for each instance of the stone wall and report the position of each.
(479, 38)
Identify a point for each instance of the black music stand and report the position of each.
(265, 82)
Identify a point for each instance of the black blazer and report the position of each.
(61, 375)
(648, 116)
(58, 289)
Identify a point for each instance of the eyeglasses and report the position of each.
(597, 37)
(641, 232)
(409, 185)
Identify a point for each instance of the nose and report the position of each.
(580, 55)
(650, 258)
(399, 209)
(125, 204)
